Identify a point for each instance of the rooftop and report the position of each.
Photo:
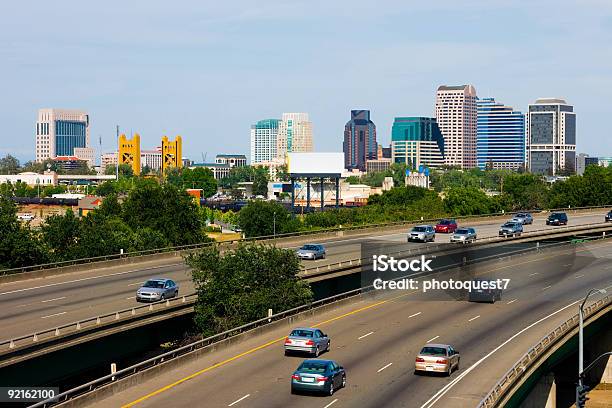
(550, 101)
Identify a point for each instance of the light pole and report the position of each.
(581, 336)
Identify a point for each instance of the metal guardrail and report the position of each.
(14, 344)
(269, 237)
(514, 374)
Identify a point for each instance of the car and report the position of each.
(464, 235)
(321, 376)
(423, 233)
(311, 251)
(25, 217)
(307, 340)
(157, 289)
(523, 218)
(446, 226)
(511, 229)
(490, 294)
(437, 358)
(557, 218)
(608, 216)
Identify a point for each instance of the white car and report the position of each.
(25, 217)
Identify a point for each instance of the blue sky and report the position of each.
(206, 69)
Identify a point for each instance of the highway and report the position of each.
(376, 339)
(39, 304)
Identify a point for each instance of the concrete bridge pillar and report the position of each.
(543, 395)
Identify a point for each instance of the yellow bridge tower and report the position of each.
(129, 152)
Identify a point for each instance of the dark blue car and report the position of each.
(320, 376)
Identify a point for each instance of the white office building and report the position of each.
(294, 135)
(264, 136)
(60, 131)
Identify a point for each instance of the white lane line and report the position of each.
(415, 314)
(474, 318)
(430, 402)
(238, 400)
(432, 339)
(131, 297)
(331, 403)
(364, 336)
(534, 274)
(547, 287)
(608, 267)
(86, 279)
(135, 283)
(578, 276)
(387, 366)
(512, 301)
(567, 265)
(53, 315)
(52, 300)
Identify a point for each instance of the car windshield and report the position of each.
(301, 333)
(446, 222)
(313, 367)
(509, 225)
(433, 351)
(153, 284)
(461, 231)
(555, 215)
(309, 247)
(419, 229)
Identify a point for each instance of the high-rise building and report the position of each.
(456, 116)
(107, 159)
(417, 141)
(359, 140)
(583, 160)
(551, 137)
(294, 135)
(500, 136)
(264, 135)
(60, 131)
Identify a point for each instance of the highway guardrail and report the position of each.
(533, 355)
(298, 234)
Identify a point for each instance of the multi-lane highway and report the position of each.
(38, 304)
(376, 340)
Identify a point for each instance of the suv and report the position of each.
(511, 228)
(557, 219)
(423, 233)
(608, 216)
(464, 235)
(523, 218)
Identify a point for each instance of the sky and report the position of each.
(207, 70)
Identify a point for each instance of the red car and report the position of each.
(446, 226)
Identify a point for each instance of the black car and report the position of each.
(557, 218)
(482, 293)
(322, 376)
(609, 216)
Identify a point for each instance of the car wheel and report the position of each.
(450, 370)
(328, 345)
(293, 392)
(162, 297)
(331, 388)
(317, 352)
(457, 366)
(287, 353)
(343, 381)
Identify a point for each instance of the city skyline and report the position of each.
(199, 77)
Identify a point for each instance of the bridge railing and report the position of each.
(533, 355)
(266, 238)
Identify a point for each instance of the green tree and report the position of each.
(467, 201)
(525, 191)
(9, 165)
(125, 170)
(106, 188)
(259, 218)
(61, 234)
(240, 285)
(200, 177)
(260, 181)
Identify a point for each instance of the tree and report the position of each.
(9, 165)
(61, 233)
(260, 218)
(125, 170)
(33, 167)
(467, 201)
(106, 188)
(260, 181)
(240, 285)
(525, 191)
(202, 178)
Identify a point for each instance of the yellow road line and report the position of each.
(361, 309)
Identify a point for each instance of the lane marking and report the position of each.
(578, 276)
(430, 402)
(86, 279)
(432, 339)
(415, 314)
(608, 267)
(52, 300)
(474, 318)
(534, 274)
(547, 287)
(331, 403)
(53, 315)
(131, 297)
(567, 265)
(382, 368)
(238, 400)
(364, 336)
(135, 283)
(512, 301)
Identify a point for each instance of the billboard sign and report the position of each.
(315, 164)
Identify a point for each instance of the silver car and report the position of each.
(522, 218)
(311, 251)
(437, 358)
(511, 229)
(155, 290)
(464, 235)
(423, 233)
(307, 340)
